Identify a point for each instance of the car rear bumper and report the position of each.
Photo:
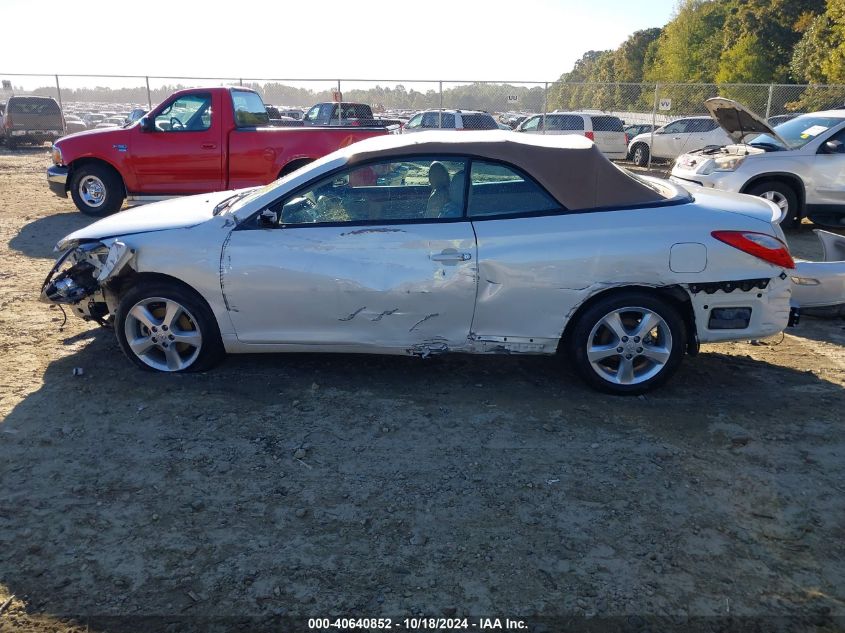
(768, 310)
(29, 136)
(57, 180)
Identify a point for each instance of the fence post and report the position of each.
(339, 104)
(240, 82)
(769, 102)
(545, 104)
(653, 120)
(59, 93)
(149, 96)
(440, 115)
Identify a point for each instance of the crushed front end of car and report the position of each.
(83, 278)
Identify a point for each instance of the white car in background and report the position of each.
(450, 120)
(606, 131)
(799, 165)
(676, 138)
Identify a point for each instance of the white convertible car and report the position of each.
(482, 242)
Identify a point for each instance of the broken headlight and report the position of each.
(74, 275)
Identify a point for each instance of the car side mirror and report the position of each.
(148, 124)
(268, 219)
(833, 147)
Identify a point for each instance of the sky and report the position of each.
(525, 40)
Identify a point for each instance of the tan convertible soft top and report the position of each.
(570, 167)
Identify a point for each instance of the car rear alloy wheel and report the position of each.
(785, 199)
(641, 155)
(628, 343)
(167, 328)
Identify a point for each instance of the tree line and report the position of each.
(726, 43)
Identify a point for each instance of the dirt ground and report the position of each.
(335, 485)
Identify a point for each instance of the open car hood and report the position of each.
(738, 121)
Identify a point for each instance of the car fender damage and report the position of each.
(82, 278)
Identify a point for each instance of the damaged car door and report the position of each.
(373, 257)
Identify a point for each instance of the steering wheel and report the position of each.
(176, 124)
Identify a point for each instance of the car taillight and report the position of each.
(7, 122)
(766, 247)
(589, 135)
(626, 137)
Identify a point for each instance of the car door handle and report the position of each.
(451, 256)
(676, 138)
(209, 146)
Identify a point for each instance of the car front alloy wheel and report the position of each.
(167, 328)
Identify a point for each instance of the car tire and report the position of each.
(639, 154)
(12, 145)
(97, 190)
(647, 359)
(782, 195)
(167, 327)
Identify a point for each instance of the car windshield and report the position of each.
(799, 131)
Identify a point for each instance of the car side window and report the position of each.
(431, 120)
(414, 122)
(676, 127)
(497, 189)
(191, 113)
(383, 191)
(701, 125)
(532, 124)
(568, 122)
(312, 114)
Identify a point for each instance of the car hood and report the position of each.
(737, 120)
(88, 133)
(178, 213)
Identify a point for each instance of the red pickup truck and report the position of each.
(196, 141)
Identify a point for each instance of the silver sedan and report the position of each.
(483, 242)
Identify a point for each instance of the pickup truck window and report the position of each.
(249, 109)
(191, 113)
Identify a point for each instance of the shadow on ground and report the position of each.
(312, 485)
(39, 237)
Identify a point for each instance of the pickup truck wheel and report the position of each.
(627, 343)
(165, 327)
(784, 197)
(640, 154)
(96, 190)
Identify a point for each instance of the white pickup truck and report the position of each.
(799, 165)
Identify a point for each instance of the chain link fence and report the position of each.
(506, 104)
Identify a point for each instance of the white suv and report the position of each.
(798, 165)
(607, 132)
(676, 138)
(450, 120)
